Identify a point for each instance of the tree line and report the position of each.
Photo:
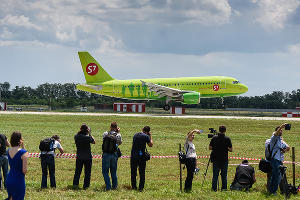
(66, 95)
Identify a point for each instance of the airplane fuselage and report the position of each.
(210, 86)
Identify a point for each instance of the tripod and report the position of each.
(204, 175)
(285, 188)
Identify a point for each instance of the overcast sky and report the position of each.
(255, 41)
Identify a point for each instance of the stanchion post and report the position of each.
(293, 160)
(180, 171)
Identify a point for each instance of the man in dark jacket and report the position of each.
(244, 177)
(83, 140)
(220, 145)
(137, 159)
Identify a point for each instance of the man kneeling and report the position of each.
(244, 177)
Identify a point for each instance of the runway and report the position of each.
(149, 115)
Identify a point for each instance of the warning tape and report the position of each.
(73, 156)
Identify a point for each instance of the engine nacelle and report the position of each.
(191, 98)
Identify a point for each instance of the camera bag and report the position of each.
(147, 155)
(264, 165)
(182, 155)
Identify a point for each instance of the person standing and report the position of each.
(3, 159)
(220, 145)
(244, 177)
(83, 140)
(277, 149)
(137, 158)
(17, 157)
(285, 148)
(48, 162)
(191, 159)
(111, 141)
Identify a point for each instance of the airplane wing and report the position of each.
(164, 91)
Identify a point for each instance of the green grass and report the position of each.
(162, 175)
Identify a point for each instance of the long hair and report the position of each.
(15, 138)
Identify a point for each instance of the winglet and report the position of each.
(92, 70)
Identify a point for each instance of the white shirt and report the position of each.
(190, 149)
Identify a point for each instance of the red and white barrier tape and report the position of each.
(70, 156)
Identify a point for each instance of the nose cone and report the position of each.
(243, 88)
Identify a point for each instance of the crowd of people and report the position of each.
(16, 156)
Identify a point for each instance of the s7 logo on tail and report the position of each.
(92, 69)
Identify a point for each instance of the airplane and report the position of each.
(187, 90)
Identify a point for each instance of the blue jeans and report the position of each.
(110, 163)
(276, 176)
(4, 166)
(217, 166)
(47, 162)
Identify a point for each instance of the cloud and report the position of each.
(73, 22)
(273, 14)
(294, 49)
(19, 21)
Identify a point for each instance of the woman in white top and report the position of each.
(191, 159)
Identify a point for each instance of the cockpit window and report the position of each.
(235, 82)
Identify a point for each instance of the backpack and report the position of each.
(47, 144)
(109, 143)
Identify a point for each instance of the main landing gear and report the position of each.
(166, 107)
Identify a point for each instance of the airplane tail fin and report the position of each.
(92, 70)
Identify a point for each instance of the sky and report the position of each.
(254, 41)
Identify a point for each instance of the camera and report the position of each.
(196, 170)
(287, 127)
(212, 132)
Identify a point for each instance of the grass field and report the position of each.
(162, 175)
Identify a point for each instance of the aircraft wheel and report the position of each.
(166, 107)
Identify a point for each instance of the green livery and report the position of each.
(187, 90)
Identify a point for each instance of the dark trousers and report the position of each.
(4, 167)
(134, 164)
(48, 162)
(190, 166)
(217, 166)
(87, 172)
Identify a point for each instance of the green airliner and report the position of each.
(187, 90)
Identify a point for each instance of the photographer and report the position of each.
(278, 147)
(111, 141)
(220, 145)
(48, 162)
(137, 158)
(191, 159)
(244, 177)
(285, 148)
(83, 140)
